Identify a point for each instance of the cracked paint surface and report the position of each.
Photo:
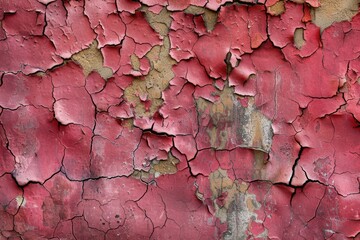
(196, 119)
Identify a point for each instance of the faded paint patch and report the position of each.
(234, 122)
(145, 93)
(234, 205)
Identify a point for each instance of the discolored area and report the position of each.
(331, 11)
(90, 59)
(189, 119)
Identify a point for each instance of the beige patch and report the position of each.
(237, 206)
(128, 123)
(194, 10)
(210, 19)
(332, 11)
(135, 62)
(162, 167)
(220, 183)
(154, 83)
(277, 9)
(218, 111)
(159, 22)
(40, 74)
(209, 16)
(245, 127)
(141, 175)
(261, 159)
(91, 59)
(20, 201)
(158, 168)
(299, 40)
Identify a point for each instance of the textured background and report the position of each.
(190, 119)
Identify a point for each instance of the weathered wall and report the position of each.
(191, 119)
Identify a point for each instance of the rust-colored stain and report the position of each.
(191, 119)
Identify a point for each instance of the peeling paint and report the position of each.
(91, 59)
(195, 119)
(167, 166)
(277, 9)
(232, 124)
(149, 88)
(159, 22)
(233, 205)
(209, 17)
(331, 11)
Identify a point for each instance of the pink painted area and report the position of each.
(33, 142)
(105, 22)
(67, 27)
(255, 136)
(77, 142)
